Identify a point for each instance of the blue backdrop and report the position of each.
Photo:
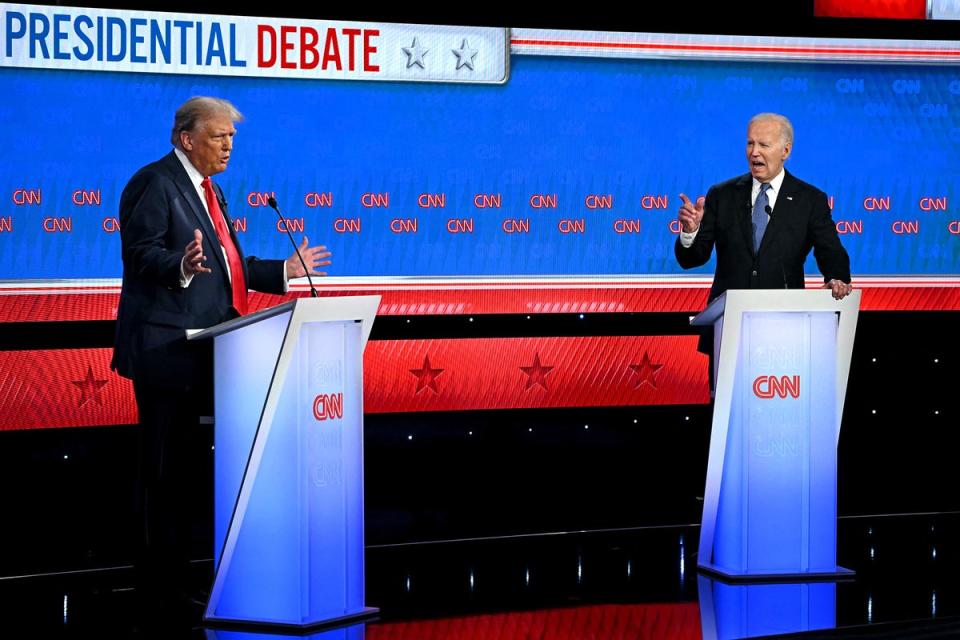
(569, 127)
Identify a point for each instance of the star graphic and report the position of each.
(465, 55)
(89, 388)
(426, 377)
(415, 54)
(536, 374)
(646, 372)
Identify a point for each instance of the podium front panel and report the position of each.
(777, 504)
(292, 548)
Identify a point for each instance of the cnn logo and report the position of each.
(328, 406)
(776, 386)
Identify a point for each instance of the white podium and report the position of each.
(781, 361)
(288, 475)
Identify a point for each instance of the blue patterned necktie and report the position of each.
(760, 217)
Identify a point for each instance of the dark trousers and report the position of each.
(171, 473)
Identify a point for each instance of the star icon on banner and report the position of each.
(536, 374)
(415, 54)
(465, 55)
(646, 372)
(426, 376)
(89, 388)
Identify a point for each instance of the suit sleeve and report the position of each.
(699, 252)
(268, 276)
(144, 224)
(831, 257)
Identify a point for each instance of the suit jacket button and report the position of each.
(754, 274)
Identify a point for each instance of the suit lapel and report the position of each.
(745, 221)
(190, 195)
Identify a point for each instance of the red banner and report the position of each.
(62, 388)
(527, 373)
(75, 387)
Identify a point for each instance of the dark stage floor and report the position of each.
(636, 583)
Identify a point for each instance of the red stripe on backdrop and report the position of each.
(62, 388)
(679, 621)
(515, 373)
(30, 306)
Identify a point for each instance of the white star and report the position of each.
(465, 55)
(415, 54)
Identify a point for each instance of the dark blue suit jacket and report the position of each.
(801, 221)
(159, 209)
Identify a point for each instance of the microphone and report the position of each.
(273, 205)
(768, 210)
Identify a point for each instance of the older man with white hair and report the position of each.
(183, 268)
(763, 223)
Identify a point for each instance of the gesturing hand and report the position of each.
(193, 258)
(313, 257)
(690, 214)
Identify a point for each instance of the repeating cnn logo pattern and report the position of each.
(328, 406)
(767, 387)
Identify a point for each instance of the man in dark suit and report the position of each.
(182, 269)
(763, 223)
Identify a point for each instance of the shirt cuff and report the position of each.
(185, 279)
(686, 239)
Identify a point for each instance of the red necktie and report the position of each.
(237, 281)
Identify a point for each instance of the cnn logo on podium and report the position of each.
(328, 406)
(767, 387)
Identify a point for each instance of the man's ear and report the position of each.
(186, 142)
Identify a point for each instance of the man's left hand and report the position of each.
(840, 288)
(313, 257)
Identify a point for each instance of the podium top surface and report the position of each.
(333, 308)
(782, 300)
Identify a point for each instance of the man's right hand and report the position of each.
(690, 214)
(193, 258)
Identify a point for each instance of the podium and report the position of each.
(781, 361)
(288, 465)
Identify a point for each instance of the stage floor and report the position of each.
(630, 583)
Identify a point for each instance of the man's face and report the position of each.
(208, 146)
(765, 149)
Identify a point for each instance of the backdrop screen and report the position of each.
(570, 165)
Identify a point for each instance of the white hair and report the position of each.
(196, 110)
(786, 129)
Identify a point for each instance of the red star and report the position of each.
(89, 388)
(537, 374)
(646, 372)
(426, 377)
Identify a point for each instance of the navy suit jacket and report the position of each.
(800, 221)
(159, 209)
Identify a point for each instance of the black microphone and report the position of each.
(768, 210)
(273, 205)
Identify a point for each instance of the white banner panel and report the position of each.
(43, 37)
